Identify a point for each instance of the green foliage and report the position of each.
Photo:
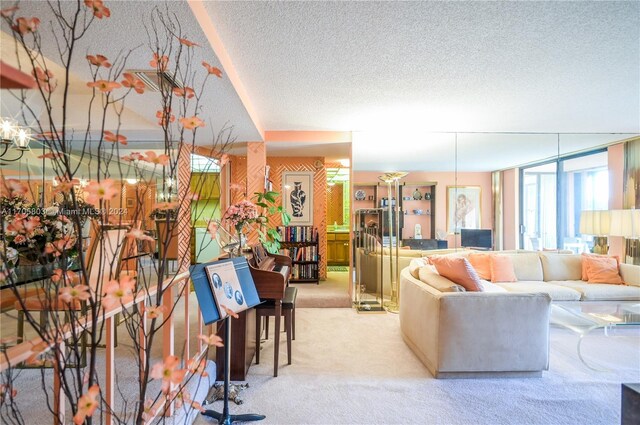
(269, 236)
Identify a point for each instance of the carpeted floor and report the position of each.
(333, 292)
(355, 369)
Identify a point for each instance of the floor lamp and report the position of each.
(393, 305)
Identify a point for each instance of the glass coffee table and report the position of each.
(584, 317)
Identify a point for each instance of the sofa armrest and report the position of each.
(630, 274)
(470, 332)
(494, 332)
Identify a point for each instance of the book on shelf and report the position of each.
(298, 233)
(304, 271)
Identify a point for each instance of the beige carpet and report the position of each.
(333, 292)
(351, 368)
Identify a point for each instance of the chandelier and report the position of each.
(16, 135)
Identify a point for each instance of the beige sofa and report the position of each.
(475, 334)
(503, 331)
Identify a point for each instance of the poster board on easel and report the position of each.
(225, 282)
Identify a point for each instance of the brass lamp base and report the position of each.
(392, 307)
(600, 245)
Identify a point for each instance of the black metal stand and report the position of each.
(224, 417)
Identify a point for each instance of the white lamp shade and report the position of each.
(595, 223)
(625, 223)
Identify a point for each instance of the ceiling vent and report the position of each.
(154, 79)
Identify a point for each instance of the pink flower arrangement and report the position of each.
(241, 213)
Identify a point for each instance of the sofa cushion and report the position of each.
(458, 270)
(526, 265)
(585, 276)
(602, 270)
(415, 264)
(491, 287)
(561, 266)
(601, 291)
(556, 292)
(432, 278)
(481, 263)
(501, 269)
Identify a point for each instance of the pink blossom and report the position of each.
(26, 26)
(155, 311)
(187, 92)
(229, 311)
(169, 373)
(9, 11)
(72, 293)
(154, 158)
(12, 188)
(87, 404)
(188, 43)
(191, 123)
(240, 213)
(139, 235)
(104, 86)
(159, 62)
(99, 60)
(212, 228)
(132, 82)
(134, 156)
(165, 117)
(99, 9)
(68, 278)
(60, 245)
(7, 392)
(212, 69)
(197, 367)
(109, 136)
(212, 339)
(118, 291)
(102, 190)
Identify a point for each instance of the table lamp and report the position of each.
(596, 223)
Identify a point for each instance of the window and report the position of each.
(202, 164)
(555, 193)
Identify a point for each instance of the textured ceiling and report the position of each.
(441, 66)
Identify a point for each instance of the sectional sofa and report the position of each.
(502, 331)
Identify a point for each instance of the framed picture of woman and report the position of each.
(297, 196)
(463, 208)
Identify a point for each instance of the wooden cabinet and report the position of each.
(337, 249)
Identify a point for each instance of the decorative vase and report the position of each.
(297, 199)
(239, 228)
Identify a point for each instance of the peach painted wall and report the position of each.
(444, 179)
(278, 165)
(510, 208)
(616, 191)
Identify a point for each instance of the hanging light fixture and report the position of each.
(12, 133)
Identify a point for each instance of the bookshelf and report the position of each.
(301, 242)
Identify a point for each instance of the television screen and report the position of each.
(476, 238)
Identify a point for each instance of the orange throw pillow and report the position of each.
(457, 270)
(502, 269)
(603, 270)
(585, 276)
(481, 264)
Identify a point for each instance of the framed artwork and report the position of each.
(463, 208)
(297, 196)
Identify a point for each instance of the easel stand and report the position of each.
(224, 417)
